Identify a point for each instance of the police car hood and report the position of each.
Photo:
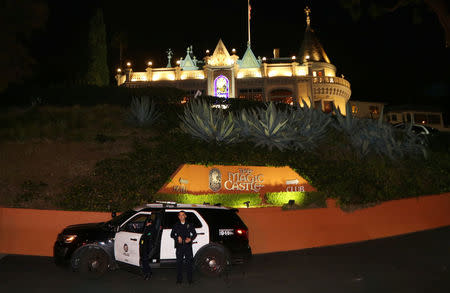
(83, 228)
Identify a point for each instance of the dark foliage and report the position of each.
(134, 179)
(98, 73)
(84, 95)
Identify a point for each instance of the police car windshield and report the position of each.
(118, 220)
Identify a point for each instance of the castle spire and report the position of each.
(308, 19)
(311, 49)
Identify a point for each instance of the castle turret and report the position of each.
(328, 90)
(311, 49)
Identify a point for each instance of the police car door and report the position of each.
(126, 242)
(193, 217)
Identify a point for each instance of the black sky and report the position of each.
(387, 59)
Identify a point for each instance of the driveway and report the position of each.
(418, 262)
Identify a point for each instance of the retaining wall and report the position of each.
(33, 232)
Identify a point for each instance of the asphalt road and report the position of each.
(418, 262)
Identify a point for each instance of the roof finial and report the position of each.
(307, 12)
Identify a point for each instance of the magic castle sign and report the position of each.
(198, 179)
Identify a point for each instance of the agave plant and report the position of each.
(378, 137)
(242, 122)
(347, 123)
(208, 124)
(269, 127)
(142, 112)
(310, 125)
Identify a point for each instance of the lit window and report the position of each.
(328, 106)
(374, 110)
(354, 109)
(251, 94)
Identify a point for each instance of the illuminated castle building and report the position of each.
(309, 77)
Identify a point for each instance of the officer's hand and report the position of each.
(180, 240)
(188, 240)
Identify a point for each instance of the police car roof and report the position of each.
(179, 206)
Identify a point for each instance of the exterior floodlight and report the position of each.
(233, 50)
(178, 62)
(264, 59)
(149, 63)
(307, 57)
(119, 70)
(128, 64)
(247, 203)
(207, 52)
(293, 57)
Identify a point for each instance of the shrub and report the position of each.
(310, 125)
(142, 112)
(302, 199)
(208, 124)
(83, 95)
(228, 200)
(269, 127)
(368, 136)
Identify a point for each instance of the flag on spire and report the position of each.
(248, 21)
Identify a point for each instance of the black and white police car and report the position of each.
(92, 249)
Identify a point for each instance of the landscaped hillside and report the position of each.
(104, 157)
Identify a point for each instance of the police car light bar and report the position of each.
(167, 203)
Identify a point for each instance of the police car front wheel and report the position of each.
(93, 263)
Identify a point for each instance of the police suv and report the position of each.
(92, 249)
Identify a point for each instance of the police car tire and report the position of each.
(211, 261)
(93, 263)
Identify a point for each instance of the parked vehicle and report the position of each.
(92, 249)
(417, 128)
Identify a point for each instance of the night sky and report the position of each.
(388, 59)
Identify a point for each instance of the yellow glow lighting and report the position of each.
(293, 57)
(164, 76)
(264, 59)
(249, 73)
(192, 75)
(207, 51)
(280, 72)
(119, 70)
(307, 57)
(233, 50)
(128, 64)
(149, 63)
(301, 72)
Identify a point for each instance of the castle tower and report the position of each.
(327, 89)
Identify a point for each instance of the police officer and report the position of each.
(183, 233)
(146, 245)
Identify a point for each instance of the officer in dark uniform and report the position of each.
(183, 233)
(146, 245)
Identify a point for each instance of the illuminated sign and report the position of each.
(198, 179)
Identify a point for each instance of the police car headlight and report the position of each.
(69, 238)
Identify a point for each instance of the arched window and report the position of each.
(222, 87)
(282, 96)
